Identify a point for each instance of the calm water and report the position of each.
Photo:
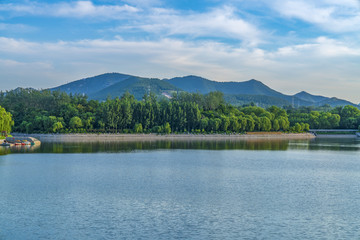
(182, 190)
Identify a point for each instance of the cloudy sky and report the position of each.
(290, 45)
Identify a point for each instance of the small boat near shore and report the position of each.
(5, 144)
(20, 141)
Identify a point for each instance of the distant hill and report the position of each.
(237, 93)
(310, 98)
(334, 102)
(202, 85)
(259, 100)
(136, 86)
(92, 85)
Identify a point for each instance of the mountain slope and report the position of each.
(193, 84)
(91, 85)
(251, 87)
(136, 86)
(202, 85)
(259, 100)
(310, 98)
(334, 102)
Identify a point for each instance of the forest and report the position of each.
(33, 111)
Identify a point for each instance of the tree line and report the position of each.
(36, 111)
(341, 117)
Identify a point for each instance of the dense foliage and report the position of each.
(6, 121)
(53, 112)
(346, 117)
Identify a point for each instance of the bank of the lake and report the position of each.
(171, 137)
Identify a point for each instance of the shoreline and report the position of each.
(336, 136)
(89, 137)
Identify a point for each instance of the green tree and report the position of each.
(297, 127)
(57, 126)
(167, 128)
(138, 128)
(6, 121)
(265, 124)
(75, 123)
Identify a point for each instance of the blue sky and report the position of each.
(290, 45)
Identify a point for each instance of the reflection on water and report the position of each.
(252, 144)
(334, 144)
(18, 149)
(122, 146)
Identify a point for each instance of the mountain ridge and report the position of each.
(115, 84)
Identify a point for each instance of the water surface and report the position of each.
(188, 190)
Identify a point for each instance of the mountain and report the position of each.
(237, 93)
(136, 86)
(334, 102)
(92, 85)
(202, 85)
(310, 98)
(259, 100)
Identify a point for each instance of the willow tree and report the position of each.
(6, 121)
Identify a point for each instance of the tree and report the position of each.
(57, 126)
(276, 125)
(297, 127)
(6, 121)
(138, 128)
(265, 124)
(167, 128)
(75, 123)
(225, 123)
(213, 100)
(204, 122)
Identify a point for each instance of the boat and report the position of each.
(5, 144)
(22, 141)
(25, 142)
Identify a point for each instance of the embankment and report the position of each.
(169, 137)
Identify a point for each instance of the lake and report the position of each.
(290, 189)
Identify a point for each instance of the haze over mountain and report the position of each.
(115, 84)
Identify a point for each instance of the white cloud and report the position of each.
(219, 23)
(18, 28)
(144, 3)
(321, 47)
(330, 15)
(223, 22)
(78, 9)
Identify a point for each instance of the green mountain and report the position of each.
(334, 102)
(259, 100)
(310, 98)
(136, 86)
(202, 85)
(92, 85)
(238, 93)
